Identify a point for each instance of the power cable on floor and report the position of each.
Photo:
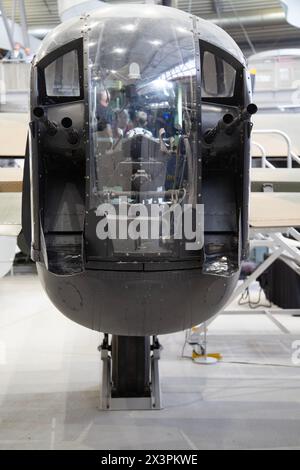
(245, 299)
(244, 363)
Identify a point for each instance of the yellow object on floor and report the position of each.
(217, 356)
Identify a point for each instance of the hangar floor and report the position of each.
(49, 384)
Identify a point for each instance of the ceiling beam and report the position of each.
(216, 8)
(263, 18)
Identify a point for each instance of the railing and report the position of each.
(14, 86)
(296, 158)
(291, 156)
(265, 162)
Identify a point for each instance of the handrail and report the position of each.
(287, 139)
(15, 61)
(265, 163)
(296, 158)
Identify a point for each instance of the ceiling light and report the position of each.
(129, 27)
(156, 42)
(119, 50)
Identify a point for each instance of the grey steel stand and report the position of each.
(117, 392)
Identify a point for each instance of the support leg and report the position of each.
(155, 381)
(106, 374)
(130, 374)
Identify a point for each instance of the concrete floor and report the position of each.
(49, 384)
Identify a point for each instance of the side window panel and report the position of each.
(209, 76)
(62, 76)
(218, 77)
